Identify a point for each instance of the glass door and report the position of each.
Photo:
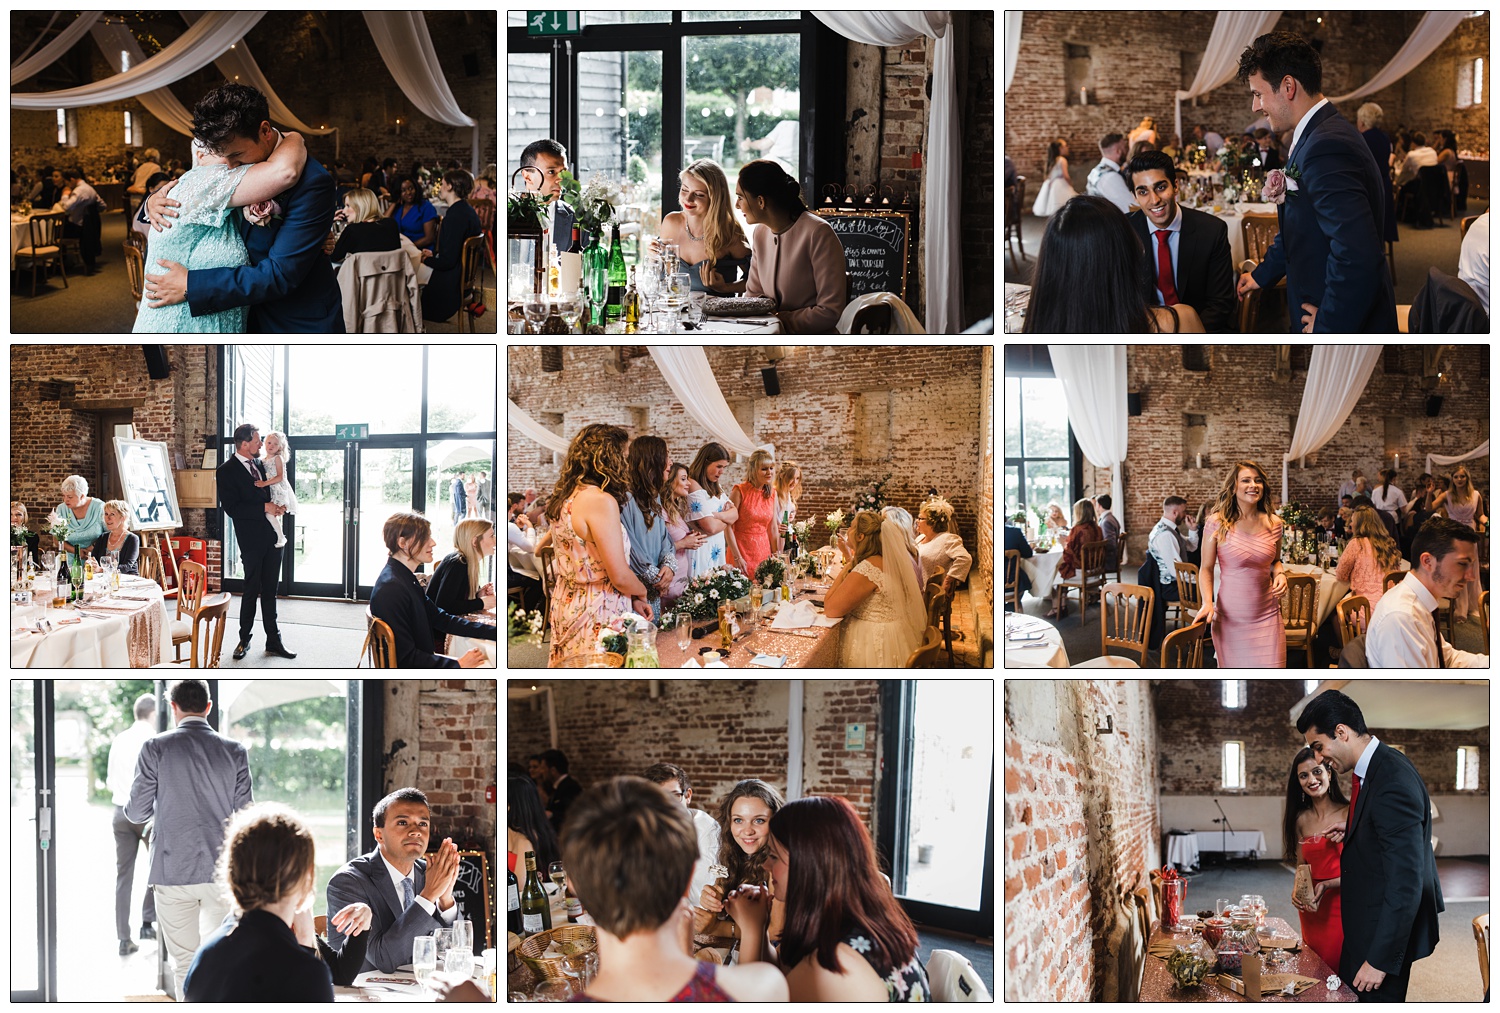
(315, 559)
(33, 874)
(385, 485)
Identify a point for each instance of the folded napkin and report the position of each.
(826, 622)
(1270, 984)
(768, 661)
(796, 616)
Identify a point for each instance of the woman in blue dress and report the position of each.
(415, 216)
(206, 233)
(708, 233)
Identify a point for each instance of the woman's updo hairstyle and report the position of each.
(267, 855)
(405, 525)
(765, 178)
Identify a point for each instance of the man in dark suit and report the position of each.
(1331, 215)
(1015, 538)
(409, 896)
(460, 498)
(1187, 251)
(562, 787)
(289, 284)
(1391, 894)
(250, 507)
(548, 160)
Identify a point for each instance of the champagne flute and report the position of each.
(684, 631)
(557, 874)
(424, 959)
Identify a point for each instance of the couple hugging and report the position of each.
(260, 269)
(1372, 907)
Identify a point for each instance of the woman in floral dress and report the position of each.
(592, 562)
(709, 508)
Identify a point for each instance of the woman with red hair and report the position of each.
(845, 938)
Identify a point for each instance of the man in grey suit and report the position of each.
(410, 896)
(188, 782)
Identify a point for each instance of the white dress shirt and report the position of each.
(521, 550)
(1474, 259)
(1362, 766)
(1390, 501)
(1163, 543)
(1173, 229)
(124, 751)
(447, 917)
(1105, 181)
(1402, 633)
(1301, 126)
(708, 853)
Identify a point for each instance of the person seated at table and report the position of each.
(81, 202)
(85, 515)
(1144, 131)
(1168, 547)
(796, 259)
(384, 182)
(744, 817)
(846, 938)
(414, 215)
(1015, 539)
(1056, 522)
(878, 594)
(1403, 629)
(1419, 155)
(908, 526)
(755, 527)
(544, 162)
(939, 544)
(118, 538)
(455, 585)
(1266, 150)
(444, 292)
(152, 184)
(1474, 259)
(630, 851)
(1186, 251)
(1090, 238)
(1110, 525)
(398, 601)
(1104, 179)
(1331, 522)
(484, 185)
(653, 558)
(1369, 556)
(150, 166)
(30, 539)
(1085, 529)
(365, 231)
(267, 950)
(527, 827)
(708, 234)
(524, 570)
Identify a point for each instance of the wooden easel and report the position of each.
(168, 561)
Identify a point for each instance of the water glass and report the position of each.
(535, 308)
(424, 959)
(458, 964)
(552, 990)
(684, 631)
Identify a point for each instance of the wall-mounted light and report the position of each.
(1108, 728)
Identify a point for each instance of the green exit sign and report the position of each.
(553, 23)
(352, 431)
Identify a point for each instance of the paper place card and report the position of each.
(767, 661)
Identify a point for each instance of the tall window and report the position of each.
(127, 130)
(1309, 686)
(1038, 458)
(1233, 763)
(1234, 693)
(1470, 80)
(62, 126)
(1468, 768)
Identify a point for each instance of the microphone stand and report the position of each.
(1223, 826)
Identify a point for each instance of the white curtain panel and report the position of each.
(1336, 377)
(1094, 384)
(529, 427)
(1483, 450)
(48, 54)
(1434, 27)
(197, 48)
(687, 372)
(1012, 44)
(942, 187)
(161, 103)
(406, 47)
(1233, 31)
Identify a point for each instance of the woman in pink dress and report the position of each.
(1242, 598)
(755, 499)
(685, 537)
(1465, 504)
(1369, 556)
(591, 567)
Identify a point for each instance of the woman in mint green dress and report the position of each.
(206, 234)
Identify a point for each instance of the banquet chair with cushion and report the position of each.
(189, 599)
(380, 293)
(1463, 225)
(471, 263)
(1189, 595)
(1301, 601)
(379, 645)
(1129, 615)
(951, 978)
(135, 270)
(1481, 925)
(1353, 654)
(1013, 577)
(1437, 195)
(150, 566)
(545, 556)
(1392, 578)
(1089, 578)
(1184, 648)
(878, 313)
(926, 656)
(1353, 617)
(207, 641)
(45, 245)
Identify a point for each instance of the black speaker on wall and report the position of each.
(1434, 405)
(156, 361)
(770, 382)
(471, 64)
(1134, 402)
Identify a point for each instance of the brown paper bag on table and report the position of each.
(1250, 971)
(1302, 887)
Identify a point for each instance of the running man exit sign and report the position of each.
(553, 23)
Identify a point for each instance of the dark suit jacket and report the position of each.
(449, 590)
(379, 236)
(1391, 895)
(367, 881)
(398, 601)
(561, 797)
(1447, 305)
(289, 283)
(1205, 267)
(443, 294)
(1330, 249)
(241, 500)
(1015, 538)
(257, 959)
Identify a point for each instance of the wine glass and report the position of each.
(458, 964)
(535, 308)
(570, 308)
(424, 959)
(695, 312)
(552, 990)
(557, 874)
(684, 631)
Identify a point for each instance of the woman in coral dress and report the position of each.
(1242, 596)
(1314, 803)
(755, 499)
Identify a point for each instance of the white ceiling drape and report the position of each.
(25, 67)
(1336, 377)
(161, 103)
(1012, 44)
(1233, 31)
(1434, 27)
(687, 372)
(1094, 384)
(1483, 450)
(530, 427)
(197, 48)
(942, 189)
(406, 47)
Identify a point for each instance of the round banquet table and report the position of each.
(1042, 569)
(1232, 215)
(125, 630)
(459, 646)
(1050, 652)
(1331, 590)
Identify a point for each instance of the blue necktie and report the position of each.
(406, 895)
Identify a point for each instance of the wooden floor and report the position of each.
(1464, 879)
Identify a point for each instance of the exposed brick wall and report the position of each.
(1081, 831)
(934, 431)
(459, 755)
(1431, 89)
(984, 549)
(719, 731)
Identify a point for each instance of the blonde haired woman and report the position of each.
(28, 538)
(908, 527)
(755, 528)
(1465, 504)
(366, 231)
(788, 492)
(877, 593)
(709, 234)
(939, 545)
(117, 537)
(455, 586)
(1243, 536)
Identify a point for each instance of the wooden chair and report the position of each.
(1301, 601)
(135, 270)
(1463, 226)
(1184, 648)
(545, 556)
(1114, 572)
(380, 643)
(471, 263)
(320, 925)
(150, 565)
(1090, 576)
(1259, 231)
(1392, 578)
(1129, 614)
(207, 642)
(1013, 578)
(1189, 594)
(1482, 941)
(1015, 203)
(1353, 617)
(484, 209)
(927, 655)
(940, 614)
(45, 245)
(189, 599)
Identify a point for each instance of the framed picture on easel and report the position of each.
(146, 477)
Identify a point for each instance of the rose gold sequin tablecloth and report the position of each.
(819, 651)
(112, 633)
(1157, 984)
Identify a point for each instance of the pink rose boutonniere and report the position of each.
(262, 212)
(1278, 184)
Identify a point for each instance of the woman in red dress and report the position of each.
(755, 535)
(1314, 802)
(1085, 529)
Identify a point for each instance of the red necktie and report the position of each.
(1352, 797)
(1164, 269)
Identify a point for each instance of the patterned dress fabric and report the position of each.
(205, 234)
(709, 555)
(682, 568)
(874, 635)
(756, 511)
(907, 983)
(1248, 629)
(584, 599)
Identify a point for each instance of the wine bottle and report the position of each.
(64, 578)
(513, 903)
(536, 912)
(631, 307)
(613, 307)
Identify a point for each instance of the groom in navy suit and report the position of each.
(289, 284)
(1329, 247)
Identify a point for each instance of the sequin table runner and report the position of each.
(1157, 984)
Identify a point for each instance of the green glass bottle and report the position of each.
(615, 300)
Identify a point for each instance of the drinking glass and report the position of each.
(552, 990)
(557, 874)
(1220, 905)
(535, 308)
(458, 964)
(695, 311)
(684, 631)
(570, 308)
(424, 959)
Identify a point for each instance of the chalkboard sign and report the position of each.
(474, 895)
(876, 248)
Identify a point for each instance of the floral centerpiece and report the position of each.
(800, 529)
(525, 210)
(58, 526)
(771, 572)
(1298, 531)
(874, 498)
(523, 626)
(612, 633)
(594, 203)
(18, 534)
(708, 591)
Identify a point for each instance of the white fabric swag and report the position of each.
(1012, 44)
(1094, 381)
(528, 426)
(197, 48)
(1430, 32)
(49, 54)
(406, 47)
(687, 372)
(1233, 31)
(112, 37)
(942, 186)
(1336, 377)
(1483, 450)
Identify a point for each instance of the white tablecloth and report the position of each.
(1231, 842)
(739, 325)
(1050, 653)
(91, 643)
(1182, 851)
(1042, 569)
(1232, 216)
